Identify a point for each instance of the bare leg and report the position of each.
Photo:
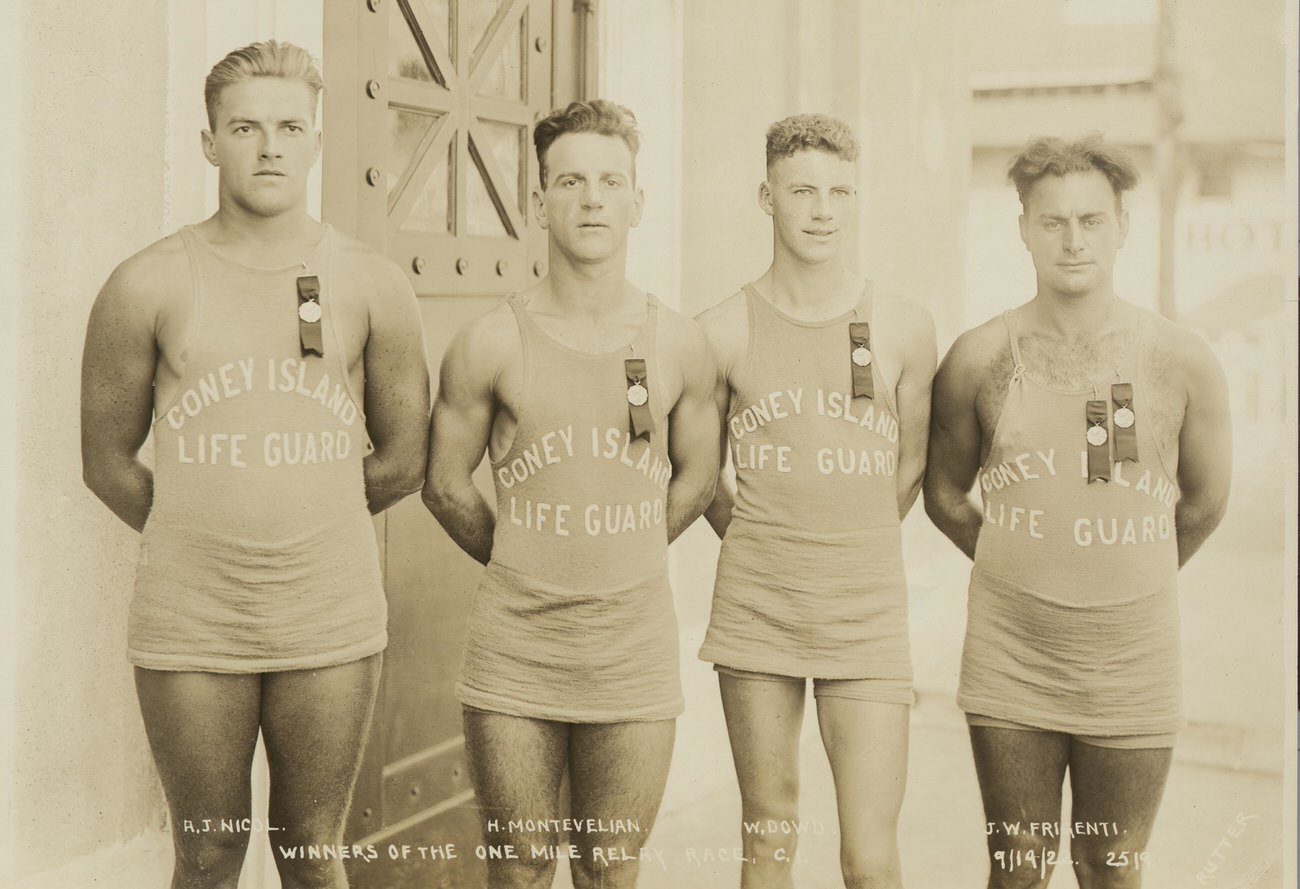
(516, 765)
(764, 718)
(617, 772)
(866, 743)
(202, 729)
(1121, 788)
(314, 723)
(1020, 775)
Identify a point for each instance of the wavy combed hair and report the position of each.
(596, 116)
(268, 58)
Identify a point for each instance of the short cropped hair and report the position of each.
(269, 58)
(810, 132)
(1053, 156)
(599, 116)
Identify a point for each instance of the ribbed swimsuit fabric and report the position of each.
(259, 553)
(573, 619)
(810, 578)
(1073, 612)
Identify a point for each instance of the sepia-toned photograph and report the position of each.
(650, 443)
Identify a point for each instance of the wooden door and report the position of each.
(428, 157)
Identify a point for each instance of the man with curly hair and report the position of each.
(1097, 434)
(593, 402)
(824, 389)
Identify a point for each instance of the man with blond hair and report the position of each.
(278, 365)
(1097, 433)
(824, 387)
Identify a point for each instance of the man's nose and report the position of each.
(1073, 239)
(592, 195)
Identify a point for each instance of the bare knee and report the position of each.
(604, 869)
(1022, 860)
(211, 856)
(522, 873)
(1106, 866)
(872, 863)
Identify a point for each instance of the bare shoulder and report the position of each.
(143, 285)
(485, 346)
(686, 338)
(979, 352)
(906, 316)
(1176, 352)
(386, 284)
(726, 325)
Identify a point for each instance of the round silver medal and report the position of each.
(1124, 418)
(309, 311)
(1097, 436)
(861, 356)
(637, 395)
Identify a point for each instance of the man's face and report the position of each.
(1073, 228)
(811, 197)
(263, 144)
(591, 199)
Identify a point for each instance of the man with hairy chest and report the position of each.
(1097, 434)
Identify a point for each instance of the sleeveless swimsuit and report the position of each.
(259, 553)
(1073, 611)
(810, 578)
(573, 619)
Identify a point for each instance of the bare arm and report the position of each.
(954, 450)
(462, 421)
(1204, 450)
(693, 433)
(913, 399)
(397, 395)
(117, 374)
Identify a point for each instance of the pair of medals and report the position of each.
(309, 315)
(1119, 411)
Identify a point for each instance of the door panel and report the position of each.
(428, 158)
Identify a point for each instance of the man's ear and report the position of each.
(765, 197)
(209, 147)
(539, 209)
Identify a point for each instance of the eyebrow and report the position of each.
(572, 175)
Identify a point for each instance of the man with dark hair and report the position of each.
(824, 386)
(279, 367)
(1098, 436)
(594, 405)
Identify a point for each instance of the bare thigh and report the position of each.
(202, 730)
(866, 742)
(516, 765)
(1116, 796)
(764, 720)
(1020, 776)
(314, 724)
(617, 773)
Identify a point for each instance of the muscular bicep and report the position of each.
(462, 417)
(1205, 439)
(695, 441)
(955, 431)
(118, 364)
(396, 375)
(915, 386)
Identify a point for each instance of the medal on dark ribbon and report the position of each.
(1125, 422)
(860, 359)
(309, 315)
(638, 397)
(1098, 412)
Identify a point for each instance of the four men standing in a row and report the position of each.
(278, 365)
